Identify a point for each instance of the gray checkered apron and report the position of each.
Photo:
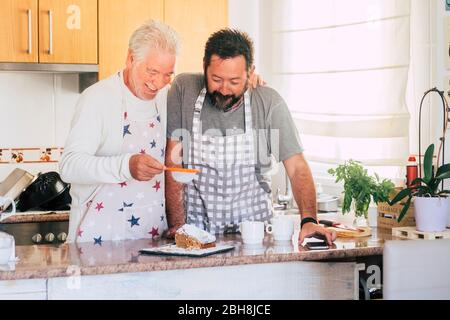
(226, 191)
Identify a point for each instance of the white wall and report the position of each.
(35, 112)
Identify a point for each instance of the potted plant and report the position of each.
(360, 188)
(430, 203)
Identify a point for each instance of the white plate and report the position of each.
(173, 250)
(183, 177)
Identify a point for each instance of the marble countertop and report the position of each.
(47, 261)
(38, 216)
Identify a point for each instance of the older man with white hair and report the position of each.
(115, 150)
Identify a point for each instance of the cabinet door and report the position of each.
(68, 31)
(117, 19)
(18, 31)
(195, 21)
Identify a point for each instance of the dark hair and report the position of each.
(229, 43)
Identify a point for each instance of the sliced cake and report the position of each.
(191, 237)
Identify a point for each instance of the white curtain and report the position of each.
(342, 67)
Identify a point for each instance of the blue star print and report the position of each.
(133, 221)
(126, 205)
(98, 241)
(153, 144)
(126, 130)
(158, 118)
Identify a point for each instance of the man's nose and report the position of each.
(225, 89)
(159, 81)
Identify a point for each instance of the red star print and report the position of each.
(99, 206)
(151, 125)
(154, 232)
(125, 115)
(157, 185)
(142, 151)
(123, 184)
(80, 233)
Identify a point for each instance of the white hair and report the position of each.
(153, 35)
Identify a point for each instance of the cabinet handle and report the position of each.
(50, 32)
(30, 44)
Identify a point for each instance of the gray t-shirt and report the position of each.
(274, 130)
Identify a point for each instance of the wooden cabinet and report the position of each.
(18, 31)
(68, 31)
(91, 32)
(117, 19)
(195, 21)
(65, 31)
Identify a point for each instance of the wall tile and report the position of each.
(35, 112)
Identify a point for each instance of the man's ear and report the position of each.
(130, 59)
(204, 66)
(251, 71)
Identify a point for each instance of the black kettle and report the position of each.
(46, 192)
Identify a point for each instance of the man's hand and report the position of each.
(170, 233)
(311, 229)
(144, 167)
(256, 80)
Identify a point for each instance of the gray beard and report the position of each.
(223, 103)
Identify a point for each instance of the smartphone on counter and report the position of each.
(322, 245)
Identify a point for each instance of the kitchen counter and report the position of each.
(116, 270)
(47, 261)
(38, 216)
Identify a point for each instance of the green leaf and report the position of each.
(402, 194)
(442, 169)
(428, 163)
(405, 209)
(359, 187)
(443, 176)
(417, 181)
(434, 184)
(423, 190)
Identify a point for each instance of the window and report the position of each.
(343, 66)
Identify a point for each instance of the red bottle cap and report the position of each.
(412, 158)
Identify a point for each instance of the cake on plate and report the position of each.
(191, 237)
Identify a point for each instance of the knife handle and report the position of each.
(327, 223)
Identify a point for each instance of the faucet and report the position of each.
(284, 200)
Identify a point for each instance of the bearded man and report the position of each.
(230, 132)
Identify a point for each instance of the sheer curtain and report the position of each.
(342, 66)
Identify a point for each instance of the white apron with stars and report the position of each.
(131, 209)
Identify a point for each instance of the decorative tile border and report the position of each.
(30, 155)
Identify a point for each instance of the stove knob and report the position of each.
(37, 238)
(62, 237)
(49, 237)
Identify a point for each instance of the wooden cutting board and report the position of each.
(362, 232)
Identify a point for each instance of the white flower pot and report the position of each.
(431, 213)
(448, 213)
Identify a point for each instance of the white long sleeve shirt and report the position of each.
(92, 153)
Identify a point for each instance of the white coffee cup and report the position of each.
(252, 232)
(281, 228)
(4, 202)
(253, 249)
